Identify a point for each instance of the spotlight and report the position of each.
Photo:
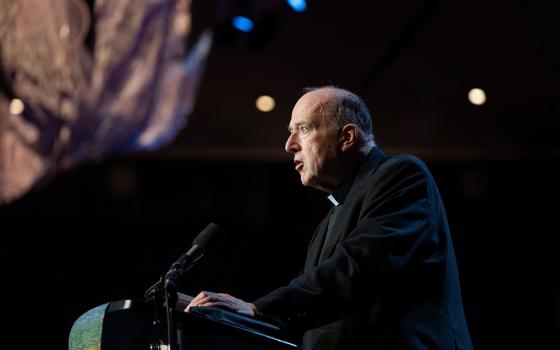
(16, 106)
(243, 24)
(265, 103)
(298, 5)
(477, 96)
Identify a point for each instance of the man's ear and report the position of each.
(349, 135)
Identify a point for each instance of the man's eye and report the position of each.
(303, 129)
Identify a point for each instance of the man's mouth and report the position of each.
(299, 164)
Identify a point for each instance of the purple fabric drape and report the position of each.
(134, 92)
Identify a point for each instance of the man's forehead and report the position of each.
(308, 108)
(313, 99)
(303, 117)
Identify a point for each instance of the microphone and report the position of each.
(202, 243)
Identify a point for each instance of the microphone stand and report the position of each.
(166, 287)
(161, 290)
(170, 303)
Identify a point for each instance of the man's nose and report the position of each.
(291, 144)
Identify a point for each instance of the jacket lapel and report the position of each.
(317, 242)
(332, 239)
(340, 230)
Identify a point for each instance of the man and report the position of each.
(380, 271)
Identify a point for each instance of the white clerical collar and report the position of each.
(333, 200)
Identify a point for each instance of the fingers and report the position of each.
(210, 299)
(218, 304)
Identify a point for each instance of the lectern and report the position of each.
(139, 325)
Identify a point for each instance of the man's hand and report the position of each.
(227, 301)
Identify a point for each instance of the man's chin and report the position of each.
(309, 182)
(304, 180)
(312, 182)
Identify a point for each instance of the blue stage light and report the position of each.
(243, 24)
(298, 5)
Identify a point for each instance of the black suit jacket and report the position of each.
(388, 278)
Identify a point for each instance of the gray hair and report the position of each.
(346, 108)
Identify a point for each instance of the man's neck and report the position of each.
(351, 164)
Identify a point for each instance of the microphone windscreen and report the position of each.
(208, 237)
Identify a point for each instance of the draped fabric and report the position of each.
(132, 90)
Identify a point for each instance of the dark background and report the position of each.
(105, 231)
